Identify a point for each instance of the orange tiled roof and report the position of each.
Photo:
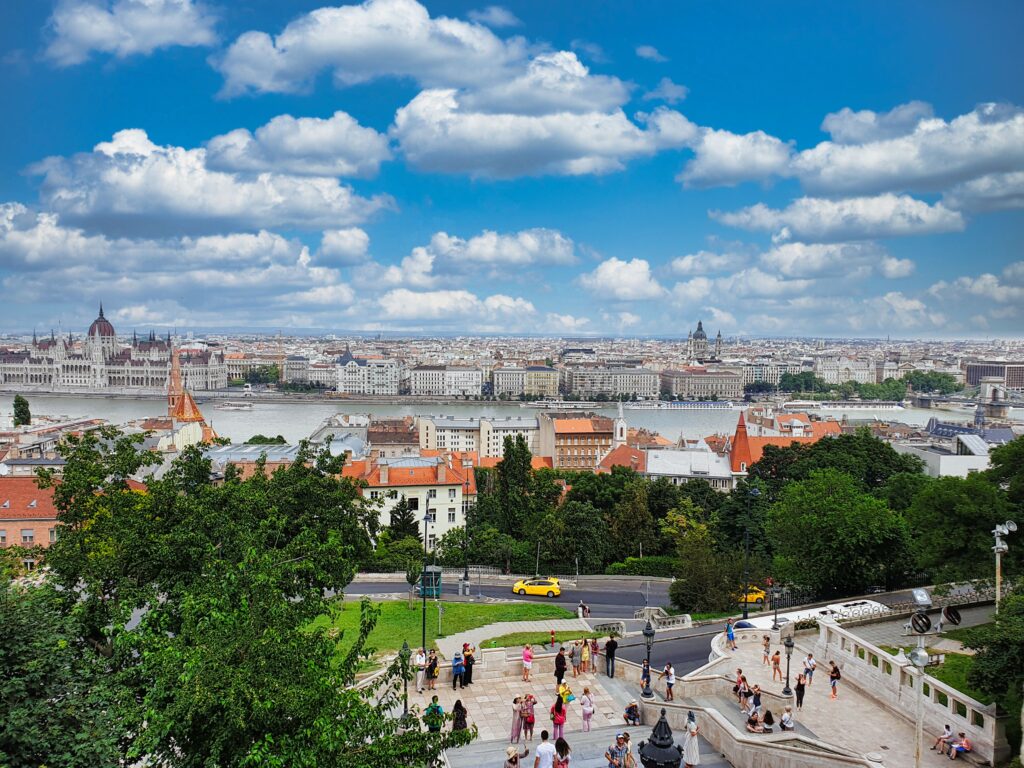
(624, 456)
(17, 493)
(398, 476)
(582, 426)
(824, 428)
(785, 418)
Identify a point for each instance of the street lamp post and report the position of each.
(648, 633)
(775, 605)
(465, 535)
(788, 645)
(1001, 548)
(403, 656)
(423, 579)
(660, 751)
(919, 658)
(754, 493)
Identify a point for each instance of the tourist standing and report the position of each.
(529, 716)
(669, 674)
(545, 752)
(432, 669)
(584, 656)
(559, 668)
(517, 720)
(587, 704)
(459, 716)
(420, 663)
(809, 665)
(434, 716)
(645, 674)
(799, 688)
(730, 635)
(594, 651)
(609, 656)
(744, 692)
(527, 662)
(513, 757)
(739, 684)
(628, 760)
(558, 716)
(834, 676)
(469, 659)
(562, 752)
(616, 753)
(755, 701)
(766, 648)
(691, 744)
(777, 666)
(575, 658)
(458, 670)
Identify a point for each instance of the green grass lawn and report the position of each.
(960, 633)
(537, 639)
(953, 671)
(398, 622)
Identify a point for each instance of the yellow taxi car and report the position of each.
(755, 595)
(545, 586)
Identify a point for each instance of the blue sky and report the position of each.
(787, 168)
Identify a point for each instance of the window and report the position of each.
(53, 535)
(374, 494)
(432, 493)
(28, 535)
(3, 536)
(451, 516)
(451, 493)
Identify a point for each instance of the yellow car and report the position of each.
(754, 595)
(546, 586)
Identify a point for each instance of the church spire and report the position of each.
(101, 310)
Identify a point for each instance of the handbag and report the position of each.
(571, 697)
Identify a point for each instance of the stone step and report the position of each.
(587, 750)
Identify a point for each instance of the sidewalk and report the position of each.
(447, 646)
(853, 720)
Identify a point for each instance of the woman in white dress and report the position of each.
(691, 745)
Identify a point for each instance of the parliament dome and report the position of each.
(101, 327)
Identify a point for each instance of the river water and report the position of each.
(296, 420)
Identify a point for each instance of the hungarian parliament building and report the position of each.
(100, 361)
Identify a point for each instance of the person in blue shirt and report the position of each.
(458, 670)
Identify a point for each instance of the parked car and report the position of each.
(546, 586)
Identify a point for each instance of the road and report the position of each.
(617, 601)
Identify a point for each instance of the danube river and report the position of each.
(295, 420)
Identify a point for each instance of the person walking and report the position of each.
(766, 648)
(575, 658)
(645, 674)
(744, 692)
(459, 716)
(587, 705)
(616, 753)
(517, 720)
(432, 670)
(420, 663)
(609, 656)
(738, 686)
(777, 666)
(469, 659)
(669, 674)
(562, 752)
(834, 676)
(527, 662)
(513, 757)
(809, 665)
(458, 670)
(691, 743)
(584, 656)
(730, 635)
(545, 757)
(799, 689)
(558, 717)
(559, 668)
(434, 716)
(528, 714)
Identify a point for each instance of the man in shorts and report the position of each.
(809, 665)
(670, 679)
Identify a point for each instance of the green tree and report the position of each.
(1007, 471)
(758, 387)
(951, 520)
(229, 664)
(802, 382)
(575, 530)
(706, 580)
(829, 535)
(630, 527)
(743, 513)
(403, 521)
(932, 381)
(22, 413)
(264, 440)
(902, 488)
(57, 705)
(513, 485)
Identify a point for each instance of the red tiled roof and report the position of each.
(17, 493)
(582, 426)
(624, 456)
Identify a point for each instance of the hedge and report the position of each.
(655, 565)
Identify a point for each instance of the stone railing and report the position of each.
(660, 619)
(893, 682)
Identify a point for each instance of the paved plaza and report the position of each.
(564, 628)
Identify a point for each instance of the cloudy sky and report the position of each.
(797, 168)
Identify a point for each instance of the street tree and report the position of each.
(829, 535)
(22, 413)
(403, 521)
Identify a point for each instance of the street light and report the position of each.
(919, 658)
(423, 579)
(1001, 548)
(754, 493)
(788, 645)
(775, 605)
(660, 751)
(648, 633)
(465, 537)
(403, 657)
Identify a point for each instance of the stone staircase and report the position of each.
(587, 750)
(730, 709)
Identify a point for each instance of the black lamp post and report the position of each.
(775, 605)
(423, 579)
(754, 493)
(648, 633)
(465, 536)
(788, 644)
(660, 751)
(403, 657)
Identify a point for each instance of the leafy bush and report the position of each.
(655, 565)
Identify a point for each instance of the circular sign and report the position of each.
(950, 614)
(919, 657)
(921, 623)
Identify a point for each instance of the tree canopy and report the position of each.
(22, 412)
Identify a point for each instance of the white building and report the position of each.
(839, 370)
(484, 435)
(965, 455)
(695, 462)
(613, 382)
(447, 381)
(358, 376)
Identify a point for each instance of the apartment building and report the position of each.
(702, 384)
(447, 381)
(532, 381)
(613, 382)
(485, 436)
(579, 441)
(838, 370)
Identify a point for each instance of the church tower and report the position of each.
(718, 346)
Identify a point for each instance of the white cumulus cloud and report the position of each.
(723, 158)
(336, 146)
(994, 192)
(650, 53)
(495, 16)
(344, 246)
(622, 280)
(667, 91)
(519, 249)
(849, 127)
(125, 27)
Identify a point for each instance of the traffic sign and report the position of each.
(921, 623)
(951, 614)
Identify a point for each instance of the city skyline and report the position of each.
(457, 168)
